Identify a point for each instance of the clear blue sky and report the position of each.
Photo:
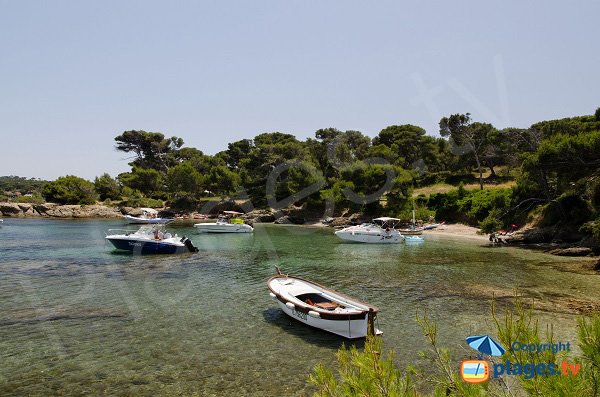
(75, 74)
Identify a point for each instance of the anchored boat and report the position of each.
(413, 229)
(380, 231)
(150, 239)
(322, 307)
(227, 222)
(149, 215)
(413, 239)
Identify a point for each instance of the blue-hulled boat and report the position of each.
(150, 239)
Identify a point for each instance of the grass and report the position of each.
(445, 188)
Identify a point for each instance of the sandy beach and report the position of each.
(457, 230)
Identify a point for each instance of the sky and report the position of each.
(75, 74)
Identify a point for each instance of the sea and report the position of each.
(79, 318)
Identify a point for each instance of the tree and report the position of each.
(146, 181)
(70, 189)
(221, 180)
(183, 179)
(151, 149)
(333, 149)
(472, 137)
(236, 151)
(107, 187)
(405, 141)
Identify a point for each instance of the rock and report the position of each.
(597, 265)
(283, 220)
(10, 209)
(131, 211)
(213, 207)
(532, 236)
(58, 211)
(290, 220)
(98, 211)
(43, 208)
(571, 251)
(339, 221)
(259, 216)
(354, 219)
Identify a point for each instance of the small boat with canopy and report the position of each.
(380, 231)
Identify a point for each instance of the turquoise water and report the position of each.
(78, 319)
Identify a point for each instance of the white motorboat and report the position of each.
(381, 231)
(227, 222)
(150, 239)
(149, 215)
(322, 307)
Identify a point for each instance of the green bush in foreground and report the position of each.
(373, 373)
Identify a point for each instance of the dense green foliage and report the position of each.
(554, 167)
(373, 373)
(70, 190)
(107, 187)
(20, 184)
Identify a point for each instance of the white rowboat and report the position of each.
(322, 307)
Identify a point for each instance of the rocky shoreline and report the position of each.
(50, 210)
(553, 241)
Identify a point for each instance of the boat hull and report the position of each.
(347, 328)
(223, 228)
(146, 247)
(411, 232)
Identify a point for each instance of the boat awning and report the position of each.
(386, 219)
(233, 212)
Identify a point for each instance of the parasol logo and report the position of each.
(478, 371)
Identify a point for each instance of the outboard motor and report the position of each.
(188, 243)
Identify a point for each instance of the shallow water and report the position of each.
(76, 318)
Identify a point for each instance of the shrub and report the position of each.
(107, 187)
(592, 228)
(372, 373)
(34, 199)
(142, 202)
(491, 223)
(367, 373)
(70, 189)
(184, 203)
(478, 204)
(446, 206)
